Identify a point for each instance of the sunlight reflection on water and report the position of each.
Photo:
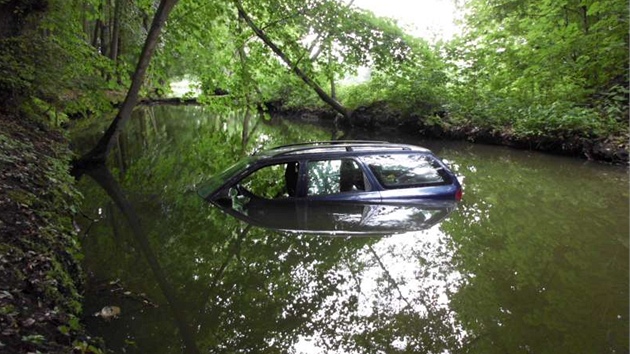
(418, 265)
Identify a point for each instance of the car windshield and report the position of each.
(219, 179)
(405, 170)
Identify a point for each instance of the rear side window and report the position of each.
(402, 170)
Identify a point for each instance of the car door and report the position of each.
(338, 179)
(266, 195)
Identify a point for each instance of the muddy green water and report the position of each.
(534, 260)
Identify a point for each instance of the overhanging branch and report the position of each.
(302, 75)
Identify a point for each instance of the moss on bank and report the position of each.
(40, 277)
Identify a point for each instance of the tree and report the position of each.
(294, 67)
(44, 63)
(542, 67)
(99, 153)
(313, 41)
(106, 181)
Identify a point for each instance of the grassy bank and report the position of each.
(40, 277)
(609, 146)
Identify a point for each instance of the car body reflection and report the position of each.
(337, 218)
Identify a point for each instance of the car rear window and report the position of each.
(406, 170)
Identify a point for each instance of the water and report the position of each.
(535, 259)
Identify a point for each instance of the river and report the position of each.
(534, 259)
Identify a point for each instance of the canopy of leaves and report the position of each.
(325, 39)
(542, 66)
(529, 68)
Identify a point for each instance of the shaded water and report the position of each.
(535, 259)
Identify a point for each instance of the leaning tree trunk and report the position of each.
(310, 82)
(104, 178)
(99, 153)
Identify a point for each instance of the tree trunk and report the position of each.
(113, 51)
(333, 87)
(310, 82)
(246, 74)
(99, 153)
(104, 44)
(104, 178)
(84, 21)
(95, 34)
(105, 28)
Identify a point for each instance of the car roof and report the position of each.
(338, 147)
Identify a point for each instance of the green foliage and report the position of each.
(560, 118)
(325, 39)
(542, 67)
(189, 237)
(533, 68)
(561, 287)
(39, 240)
(84, 347)
(415, 86)
(292, 93)
(50, 69)
(34, 339)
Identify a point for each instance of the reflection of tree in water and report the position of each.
(559, 288)
(269, 292)
(235, 286)
(258, 292)
(250, 290)
(407, 216)
(104, 178)
(395, 299)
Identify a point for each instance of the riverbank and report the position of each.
(613, 148)
(610, 149)
(40, 276)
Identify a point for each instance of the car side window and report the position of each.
(401, 170)
(273, 181)
(334, 176)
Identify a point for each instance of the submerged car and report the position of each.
(335, 171)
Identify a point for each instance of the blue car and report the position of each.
(336, 171)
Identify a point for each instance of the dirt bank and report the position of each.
(611, 149)
(40, 278)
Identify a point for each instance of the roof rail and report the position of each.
(348, 145)
(332, 142)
